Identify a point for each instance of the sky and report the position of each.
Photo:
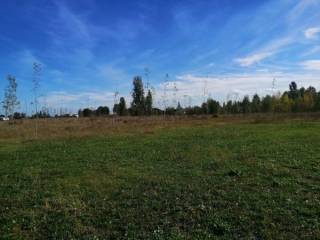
(224, 49)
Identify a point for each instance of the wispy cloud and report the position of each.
(69, 28)
(111, 72)
(253, 59)
(313, 50)
(27, 58)
(222, 86)
(267, 51)
(77, 100)
(312, 33)
(301, 8)
(311, 65)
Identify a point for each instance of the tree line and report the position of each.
(293, 100)
(141, 105)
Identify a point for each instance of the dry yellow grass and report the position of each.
(24, 130)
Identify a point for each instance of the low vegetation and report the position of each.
(149, 179)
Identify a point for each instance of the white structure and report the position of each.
(4, 119)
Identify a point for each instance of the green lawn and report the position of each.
(240, 181)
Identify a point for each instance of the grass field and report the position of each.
(201, 179)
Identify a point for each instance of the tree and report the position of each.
(204, 108)
(179, 110)
(115, 109)
(308, 102)
(285, 103)
(122, 107)
(245, 105)
(10, 101)
(293, 93)
(102, 111)
(213, 106)
(256, 104)
(18, 115)
(266, 104)
(228, 107)
(86, 112)
(138, 101)
(148, 103)
(170, 111)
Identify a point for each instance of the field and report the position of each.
(211, 178)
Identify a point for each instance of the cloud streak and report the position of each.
(76, 100)
(312, 33)
(253, 59)
(268, 51)
(311, 65)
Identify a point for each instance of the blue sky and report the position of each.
(220, 48)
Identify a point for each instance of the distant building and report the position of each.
(3, 118)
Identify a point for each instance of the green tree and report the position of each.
(204, 108)
(213, 106)
(86, 112)
(317, 102)
(148, 103)
(293, 93)
(122, 108)
(102, 111)
(115, 109)
(170, 111)
(266, 104)
(179, 110)
(245, 105)
(138, 101)
(256, 104)
(308, 101)
(229, 106)
(10, 101)
(285, 103)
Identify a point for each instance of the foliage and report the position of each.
(148, 103)
(213, 106)
(138, 99)
(120, 108)
(10, 101)
(239, 181)
(99, 112)
(102, 111)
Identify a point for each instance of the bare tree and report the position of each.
(10, 101)
(36, 85)
(164, 96)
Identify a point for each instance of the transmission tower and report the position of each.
(147, 75)
(116, 97)
(205, 90)
(273, 85)
(165, 88)
(175, 92)
(36, 85)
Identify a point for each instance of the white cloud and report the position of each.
(110, 72)
(253, 59)
(267, 51)
(312, 33)
(70, 27)
(190, 89)
(232, 86)
(311, 65)
(74, 101)
(302, 8)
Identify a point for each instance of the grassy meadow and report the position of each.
(200, 178)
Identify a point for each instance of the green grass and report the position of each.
(241, 181)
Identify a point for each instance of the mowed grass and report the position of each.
(234, 181)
